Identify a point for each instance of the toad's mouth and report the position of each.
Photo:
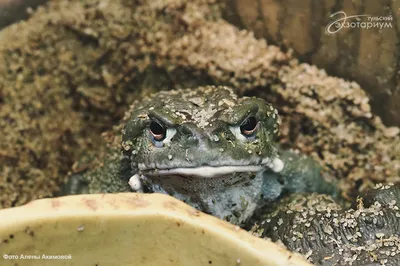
(209, 171)
(276, 165)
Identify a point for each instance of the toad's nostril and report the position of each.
(196, 134)
(191, 129)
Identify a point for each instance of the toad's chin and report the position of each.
(276, 165)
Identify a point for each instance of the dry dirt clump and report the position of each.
(337, 127)
(49, 76)
(74, 67)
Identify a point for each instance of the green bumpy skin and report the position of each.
(207, 147)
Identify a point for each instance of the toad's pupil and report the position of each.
(249, 126)
(157, 130)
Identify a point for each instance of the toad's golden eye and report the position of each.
(249, 126)
(157, 131)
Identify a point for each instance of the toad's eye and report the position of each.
(157, 131)
(249, 126)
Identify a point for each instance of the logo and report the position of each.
(357, 21)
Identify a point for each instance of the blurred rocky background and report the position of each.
(14, 10)
(370, 56)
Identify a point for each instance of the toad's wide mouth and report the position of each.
(276, 165)
(209, 171)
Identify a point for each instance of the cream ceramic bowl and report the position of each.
(128, 229)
